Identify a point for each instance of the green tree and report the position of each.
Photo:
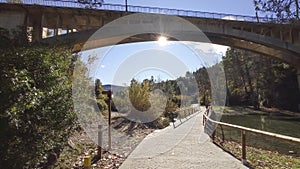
(36, 112)
(36, 105)
(139, 95)
(100, 97)
(203, 81)
(255, 80)
(284, 10)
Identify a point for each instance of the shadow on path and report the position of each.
(185, 146)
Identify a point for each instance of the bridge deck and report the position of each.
(183, 147)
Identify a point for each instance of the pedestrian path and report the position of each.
(185, 146)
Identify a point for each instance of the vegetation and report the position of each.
(252, 80)
(91, 3)
(143, 103)
(257, 80)
(281, 10)
(260, 158)
(100, 97)
(36, 103)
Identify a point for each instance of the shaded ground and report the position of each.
(79, 145)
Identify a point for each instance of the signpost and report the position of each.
(109, 95)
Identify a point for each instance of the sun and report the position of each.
(162, 40)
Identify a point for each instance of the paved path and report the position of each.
(183, 147)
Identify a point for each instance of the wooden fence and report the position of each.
(184, 113)
(246, 129)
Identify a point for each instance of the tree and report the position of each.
(255, 80)
(36, 105)
(284, 10)
(100, 97)
(202, 79)
(91, 3)
(139, 95)
(36, 111)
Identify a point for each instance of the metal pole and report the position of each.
(109, 95)
(243, 146)
(257, 18)
(109, 119)
(297, 9)
(126, 5)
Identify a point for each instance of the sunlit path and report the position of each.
(183, 147)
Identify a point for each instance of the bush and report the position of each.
(162, 122)
(36, 105)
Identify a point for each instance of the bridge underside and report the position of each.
(80, 41)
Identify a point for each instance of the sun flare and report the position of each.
(162, 40)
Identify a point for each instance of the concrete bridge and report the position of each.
(281, 41)
(276, 40)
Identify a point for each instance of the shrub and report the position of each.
(36, 105)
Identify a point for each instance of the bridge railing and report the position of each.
(142, 9)
(244, 130)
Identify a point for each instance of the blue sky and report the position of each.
(238, 7)
(119, 64)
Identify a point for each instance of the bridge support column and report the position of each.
(37, 31)
(57, 30)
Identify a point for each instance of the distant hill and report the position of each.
(113, 88)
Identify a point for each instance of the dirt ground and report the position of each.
(79, 145)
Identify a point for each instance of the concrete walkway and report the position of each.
(186, 147)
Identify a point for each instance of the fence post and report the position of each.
(99, 141)
(243, 146)
(109, 119)
(180, 115)
(213, 136)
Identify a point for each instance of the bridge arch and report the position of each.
(141, 29)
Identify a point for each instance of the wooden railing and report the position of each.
(184, 113)
(246, 129)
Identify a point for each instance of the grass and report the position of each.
(238, 110)
(263, 159)
(260, 158)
